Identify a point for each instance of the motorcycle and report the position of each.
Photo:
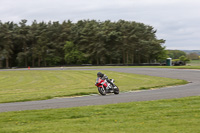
(104, 87)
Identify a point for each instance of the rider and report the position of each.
(104, 77)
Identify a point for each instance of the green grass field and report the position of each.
(162, 116)
(194, 63)
(40, 85)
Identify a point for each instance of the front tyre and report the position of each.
(116, 90)
(102, 91)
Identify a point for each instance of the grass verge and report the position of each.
(18, 86)
(162, 116)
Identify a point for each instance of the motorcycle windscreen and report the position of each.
(98, 80)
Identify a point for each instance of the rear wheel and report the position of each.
(116, 90)
(102, 91)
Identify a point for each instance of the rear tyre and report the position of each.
(102, 91)
(116, 91)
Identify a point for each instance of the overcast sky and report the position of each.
(176, 21)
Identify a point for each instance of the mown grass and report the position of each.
(18, 86)
(162, 116)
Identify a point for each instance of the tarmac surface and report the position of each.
(190, 89)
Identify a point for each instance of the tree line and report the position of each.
(190, 55)
(84, 42)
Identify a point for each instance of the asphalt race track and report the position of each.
(191, 89)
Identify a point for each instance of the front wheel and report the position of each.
(102, 91)
(116, 90)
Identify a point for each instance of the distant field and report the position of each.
(194, 63)
(162, 116)
(40, 85)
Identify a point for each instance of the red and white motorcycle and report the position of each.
(104, 87)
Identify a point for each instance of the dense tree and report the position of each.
(184, 59)
(86, 41)
(72, 54)
(175, 54)
(6, 42)
(23, 38)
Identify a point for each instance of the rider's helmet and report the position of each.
(99, 74)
